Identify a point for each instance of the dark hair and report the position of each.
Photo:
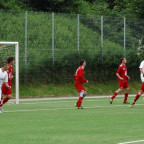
(9, 59)
(4, 63)
(122, 59)
(81, 62)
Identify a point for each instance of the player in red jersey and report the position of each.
(79, 80)
(122, 80)
(5, 90)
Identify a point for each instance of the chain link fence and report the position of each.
(51, 45)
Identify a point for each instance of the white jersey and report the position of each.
(3, 77)
(142, 67)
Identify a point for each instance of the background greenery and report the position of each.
(127, 8)
(101, 65)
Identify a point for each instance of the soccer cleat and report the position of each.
(131, 105)
(111, 101)
(80, 107)
(126, 102)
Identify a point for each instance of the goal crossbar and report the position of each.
(16, 67)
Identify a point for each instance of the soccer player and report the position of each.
(122, 80)
(5, 90)
(79, 80)
(3, 78)
(141, 67)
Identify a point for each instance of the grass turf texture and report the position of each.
(50, 90)
(59, 122)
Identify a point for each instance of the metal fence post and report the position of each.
(26, 30)
(53, 37)
(78, 38)
(124, 37)
(102, 38)
(26, 21)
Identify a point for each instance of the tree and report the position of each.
(12, 4)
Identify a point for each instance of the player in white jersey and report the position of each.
(3, 78)
(141, 67)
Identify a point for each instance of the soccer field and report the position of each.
(59, 122)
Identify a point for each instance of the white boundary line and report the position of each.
(138, 141)
(55, 101)
(71, 108)
(70, 97)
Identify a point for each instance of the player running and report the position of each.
(5, 90)
(141, 67)
(79, 80)
(3, 78)
(122, 80)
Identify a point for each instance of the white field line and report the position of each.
(47, 101)
(138, 141)
(67, 98)
(55, 109)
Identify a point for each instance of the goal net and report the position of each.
(12, 49)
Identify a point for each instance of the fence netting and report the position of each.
(51, 45)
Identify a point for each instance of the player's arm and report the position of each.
(11, 77)
(141, 70)
(128, 77)
(81, 75)
(119, 76)
(7, 85)
(118, 73)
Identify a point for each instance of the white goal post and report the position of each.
(16, 66)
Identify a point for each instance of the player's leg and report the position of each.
(8, 93)
(136, 97)
(115, 94)
(79, 102)
(0, 102)
(8, 97)
(126, 95)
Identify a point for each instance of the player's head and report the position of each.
(123, 60)
(82, 62)
(10, 60)
(5, 66)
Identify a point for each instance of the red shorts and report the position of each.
(123, 84)
(6, 90)
(79, 87)
(142, 87)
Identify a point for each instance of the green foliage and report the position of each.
(101, 65)
(12, 5)
(120, 8)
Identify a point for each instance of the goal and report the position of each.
(11, 49)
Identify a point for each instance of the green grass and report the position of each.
(59, 122)
(50, 90)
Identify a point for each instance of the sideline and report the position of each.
(70, 108)
(70, 97)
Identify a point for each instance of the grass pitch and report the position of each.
(59, 122)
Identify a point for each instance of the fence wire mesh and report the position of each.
(52, 44)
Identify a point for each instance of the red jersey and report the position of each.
(122, 71)
(79, 75)
(10, 73)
